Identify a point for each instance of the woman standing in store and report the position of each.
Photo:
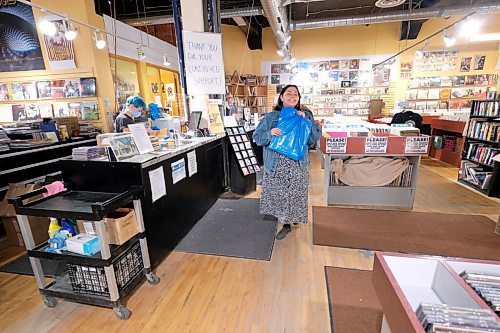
(286, 181)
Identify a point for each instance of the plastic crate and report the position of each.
(92, 280)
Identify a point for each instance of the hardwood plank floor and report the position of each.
(201, 293)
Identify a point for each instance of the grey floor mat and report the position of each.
(232, 228)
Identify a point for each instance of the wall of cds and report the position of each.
(31, 95)
(450, 93)
(334, 85)
(242, 149)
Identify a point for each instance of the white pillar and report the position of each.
(193, 15)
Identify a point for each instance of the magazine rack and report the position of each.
(102, 279)
(403, 281)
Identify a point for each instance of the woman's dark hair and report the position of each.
(279, 104)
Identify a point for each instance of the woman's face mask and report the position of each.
(135, 112)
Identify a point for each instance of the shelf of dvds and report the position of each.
(481, 145)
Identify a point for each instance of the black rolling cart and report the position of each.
(103, 279)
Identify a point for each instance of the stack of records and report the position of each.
(450, 319)
(155, 142)
(30, 143)
(4, 140)
(90, 153)
(486, 285)
(87, 129)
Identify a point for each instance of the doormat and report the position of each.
(232, 228)
(454, 235)
(353, 303)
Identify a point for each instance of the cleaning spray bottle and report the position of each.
(53, 226)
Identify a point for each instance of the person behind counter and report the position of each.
(285, 183)
(133, 109)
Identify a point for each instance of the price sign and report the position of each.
(417, 145)
(376, 144)
(336, 145)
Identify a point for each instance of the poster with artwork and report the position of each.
(44, 89)
(59, 50)
(72, 88)
(426, 61)
(32, 111)
(75, 109)
(61, 109)
(4, 92)
(87, 86)
(381, 76)
(170, 91)
(90, 111)
(23, 91)
(479, 62)
(57, 88)
(465, 64)
(21, 49)
(45, 110)
(6, 113)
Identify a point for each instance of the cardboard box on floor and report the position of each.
(39, 225)
(120, 225)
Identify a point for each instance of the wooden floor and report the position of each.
(201, 293)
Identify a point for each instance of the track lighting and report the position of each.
(420, 52)
(165, 60)
(281, 53)
(47, 27)
(140, 52)
(293, 60)
(449, 40)
(70, 31)
(100, 41)
(288, 66)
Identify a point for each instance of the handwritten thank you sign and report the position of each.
(204, 63)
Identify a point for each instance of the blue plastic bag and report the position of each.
(295, 131)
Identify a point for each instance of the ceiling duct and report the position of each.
(396, 16)
(165, 19)
(277, 17)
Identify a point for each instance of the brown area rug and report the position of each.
(354, 305)
(455, 235)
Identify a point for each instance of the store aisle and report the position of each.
(201, 293)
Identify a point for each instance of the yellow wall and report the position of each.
(89, 60)
(237, 55)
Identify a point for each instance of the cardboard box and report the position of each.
(39, 225)
(121, 225)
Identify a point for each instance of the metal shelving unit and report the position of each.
(103, 279)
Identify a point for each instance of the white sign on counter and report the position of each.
(178, 171)
(204, 63)
(416, 144)
(336, 145)
(376, 144)
(157, 181)
(192, 164)
(141, 138)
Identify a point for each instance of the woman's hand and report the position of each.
(275, 131)
(301, 113)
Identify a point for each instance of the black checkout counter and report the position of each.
(170, 218)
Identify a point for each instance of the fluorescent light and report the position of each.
(47, 27)
(100, 42)
(487, 37)
(281, 53)
(469, 27)
(287, 39)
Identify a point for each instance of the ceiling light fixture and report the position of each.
(70, 32)
(47, 27)
(140, 52)
(100, 41)
(293, 60)
(287, 39)
(449, 40)
(469, 27)
(288, 66)
(165, 60)
(420, 52)
(281, 53)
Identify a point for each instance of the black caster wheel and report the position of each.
(49, 301)
(152, 278)
(122, 312)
